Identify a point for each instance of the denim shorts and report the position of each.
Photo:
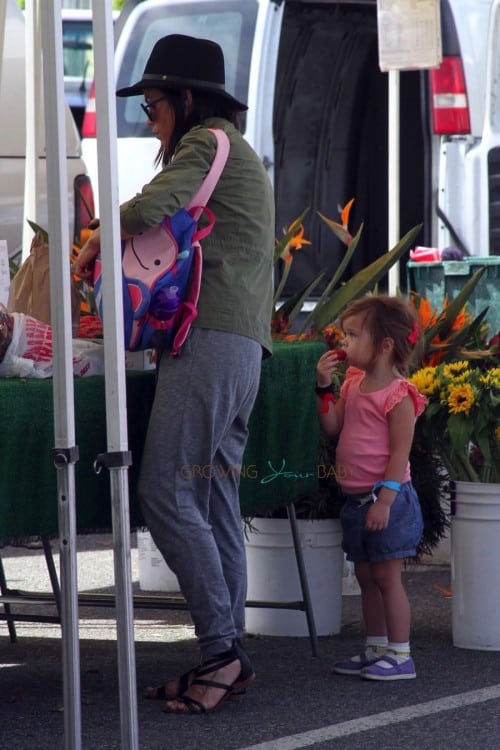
(400, 538)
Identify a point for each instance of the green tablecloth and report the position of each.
(279, 464)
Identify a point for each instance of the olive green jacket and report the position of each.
(236, 289)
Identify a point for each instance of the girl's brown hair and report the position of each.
(388, 317)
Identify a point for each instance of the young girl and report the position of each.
(381, 518)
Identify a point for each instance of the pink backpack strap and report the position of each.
(201, 197)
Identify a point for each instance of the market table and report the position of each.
(279, 466)
(280, 462)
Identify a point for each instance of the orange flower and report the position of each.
(427, 318)
(290, 337)
(298, 240)
(341, 230)
(296, 243)
(344, 213)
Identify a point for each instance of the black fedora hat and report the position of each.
(179, 61)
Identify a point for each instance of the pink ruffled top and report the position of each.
(362, 451)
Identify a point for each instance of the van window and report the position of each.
(77, 52)
(229, 24)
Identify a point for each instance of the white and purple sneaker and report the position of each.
(355, 664)
(388, 668)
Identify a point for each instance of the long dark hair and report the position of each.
(205, 105)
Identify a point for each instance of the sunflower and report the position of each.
(425, 381)
(461, 398)
(461, 422)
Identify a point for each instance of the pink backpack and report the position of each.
(162, 270)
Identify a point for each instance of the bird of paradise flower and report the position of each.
(337, 294)
(453, 332)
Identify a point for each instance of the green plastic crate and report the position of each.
(438, 279)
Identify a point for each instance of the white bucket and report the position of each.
(350, 585)
(273, 576)
(154, 573)
(475, 562)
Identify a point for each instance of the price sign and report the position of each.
(409, 34)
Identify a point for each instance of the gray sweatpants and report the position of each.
(188, 486)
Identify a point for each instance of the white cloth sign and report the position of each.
(409, 34)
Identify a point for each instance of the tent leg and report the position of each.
(124, 608)
(69, 603)
(8, 612)
(51, 568)
(290, 509)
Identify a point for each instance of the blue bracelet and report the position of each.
(396, 486)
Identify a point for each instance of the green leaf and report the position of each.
(338, 230)
(309, 321)
(281, 285)
(343, 263)
(36, 228)
(292, 307)
(443, 326)
(362, 282)
(283, 242)
(460, 430)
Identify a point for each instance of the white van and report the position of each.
(318, 116)
(13, 142)
(78, 57)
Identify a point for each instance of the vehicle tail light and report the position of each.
(84, 204)
(89, 121)
(449, 105)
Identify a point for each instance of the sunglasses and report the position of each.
(150, 107)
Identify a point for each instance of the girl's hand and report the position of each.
(377, 517)
(327, 365)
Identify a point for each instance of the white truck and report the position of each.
(13, 142)
(318, 117)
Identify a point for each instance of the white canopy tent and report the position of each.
(116, 459)
(65, 454)
(33, 105)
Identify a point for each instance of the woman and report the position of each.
(197, 434)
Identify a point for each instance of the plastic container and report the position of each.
(475, 562)
(154, 573)
(448, 277)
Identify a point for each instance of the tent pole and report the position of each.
(117, 458)
(65, 452)
(32, 178)
(394, 176)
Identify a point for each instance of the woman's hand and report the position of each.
(327, 365)
(84, 265)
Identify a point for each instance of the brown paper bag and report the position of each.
(30, 288)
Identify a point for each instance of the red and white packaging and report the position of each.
(426, 254)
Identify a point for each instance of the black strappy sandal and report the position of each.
(246, 676)
(214, 663)
(160, 692)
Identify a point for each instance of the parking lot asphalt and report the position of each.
(295, 702)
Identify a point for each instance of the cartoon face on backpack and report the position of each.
(146, 259)
(162, 270)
